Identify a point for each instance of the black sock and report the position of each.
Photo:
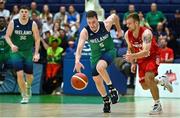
(110, 87)
(106, 98)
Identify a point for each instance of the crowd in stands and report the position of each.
(59, 32)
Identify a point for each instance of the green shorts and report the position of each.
(22, 60)
(106, 56)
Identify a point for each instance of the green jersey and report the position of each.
(100, 43)
(4, 47)
(22, 35)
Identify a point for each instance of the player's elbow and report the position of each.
(6, 37)
(114, 16)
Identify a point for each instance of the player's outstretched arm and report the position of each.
(113, 19)
(82, 38)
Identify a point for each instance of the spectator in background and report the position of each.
(68, 30)
(15, 12)
(175, 24)
(54, 54)
(173, 44)
(61, 16)
(161, 31)
(166, 54)
(45, 13)
(4, 12)
(73, 19)
(143, 22)
(34, 9)
(56, 29)
(64, 40)
(37, 20)
(154, 17)
(53, 68)
(131, 10)
(71, 47)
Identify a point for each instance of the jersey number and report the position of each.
(22, 37)
(101, 45)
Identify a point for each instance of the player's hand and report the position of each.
(78, 66)
(14, 48)
(128, 57)
(119, 34)
(36, 57)
(133, 68)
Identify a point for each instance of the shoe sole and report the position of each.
(24, 102)
(117, 99)
(107, 112)
(156, 113)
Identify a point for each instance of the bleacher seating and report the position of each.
(163, 1)
(79, 1)
(168, 7)
(40, 1)
(13, 1)
(55, 1)
(121, 1)
(149, 1)
(175, 1)
(135, 1)
(106, 1)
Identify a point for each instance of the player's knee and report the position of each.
(101, 66)
(144, 86)
(149, 78)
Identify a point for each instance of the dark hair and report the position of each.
(24, 7)
(91, 14)
(134, 16)
(55, 40)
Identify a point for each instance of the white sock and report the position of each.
(104, 95)
(156, 101)
(110, 83)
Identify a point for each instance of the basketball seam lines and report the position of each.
(81, 80)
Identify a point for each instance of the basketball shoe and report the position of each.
(25, 98)
(114, 96)
(107, 107)
(165, 82)
(157, 109)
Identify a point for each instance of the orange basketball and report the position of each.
(79, 81)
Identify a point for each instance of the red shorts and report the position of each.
(147, 66)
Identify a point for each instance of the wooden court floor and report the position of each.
(84, 106)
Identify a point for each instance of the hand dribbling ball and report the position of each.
(79, 81)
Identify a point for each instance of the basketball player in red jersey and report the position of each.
(143, 51)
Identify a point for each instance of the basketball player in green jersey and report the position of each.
(102, 53)
(4, 49)
(21, 34)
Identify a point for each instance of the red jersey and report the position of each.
(137, 43)
(166, 53)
